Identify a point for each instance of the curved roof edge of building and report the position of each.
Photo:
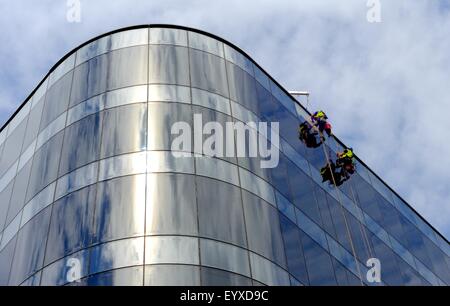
(226, 42)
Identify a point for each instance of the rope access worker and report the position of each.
(328, 172)
(345, 160)
(319, 119)
(308, 136)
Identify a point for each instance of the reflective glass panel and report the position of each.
(205, 43)
(128, 67)
(224, 256)
(172, 275)
(220, 211)
(171, 204)
(81, 143)
(263, 229)
(30, 248)
(208, 72)
(124, 130)
(168, 36)
(45, 165)
(215, 277)
(56, 100)
(161, 117)
(116, 254)
(171, 249)
(71, 223)
(120, 208)
(168, 64)
(89, 79)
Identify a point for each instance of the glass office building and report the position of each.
(90, 193)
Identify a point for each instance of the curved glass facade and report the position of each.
(91, 194)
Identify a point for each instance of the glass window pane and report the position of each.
(391, 273)
(258, 186)
(208, 72)
(121, 165)
(76, 180)
(293, 249)
(97, 47)
(61, 69)
(171, 205)
(205, 43)
(13, 147)
(116, 254)
(168, 64)
(166, 161)
(161, 117)
(224, 256)
(128, 67)
(62, 271)
(318, 263)
(56, 100)
(210, 100)
(242, 87)
(30, 248)
(168, 36)
(267, 272)
(86, 108)
(118, 277)
(18, 193)
(312, 229)
(124, 130)
(214, 277)
(172, 275)
(5, 196)
(120, 208)
(45, 165)
(71, 224)
(39, 93)
(279, 175)
(81, 143)
(169, 93)
(89, 79)
(285, 207)
(220, 211)
(6, 258)
(171, 249)
(42, 200)
(33, 280)
(262, 78)
(10, 231)
(51, 130)
(302, 195)
(34, 120)
(218, 169)
(263, 229)
(214, 142)
(238, 59)
(286, 100)
(129, 38)
(127, 95)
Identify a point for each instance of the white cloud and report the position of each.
(384, 84)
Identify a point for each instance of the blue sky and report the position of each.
(384, 85)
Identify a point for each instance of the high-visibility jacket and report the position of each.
(319, 115)
(346, 154)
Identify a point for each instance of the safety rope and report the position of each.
(361, 226)
(349, 235)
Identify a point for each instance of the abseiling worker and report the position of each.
(319, 119)
(346, 161)
(308, 136)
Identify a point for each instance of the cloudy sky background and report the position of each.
(385, 86)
